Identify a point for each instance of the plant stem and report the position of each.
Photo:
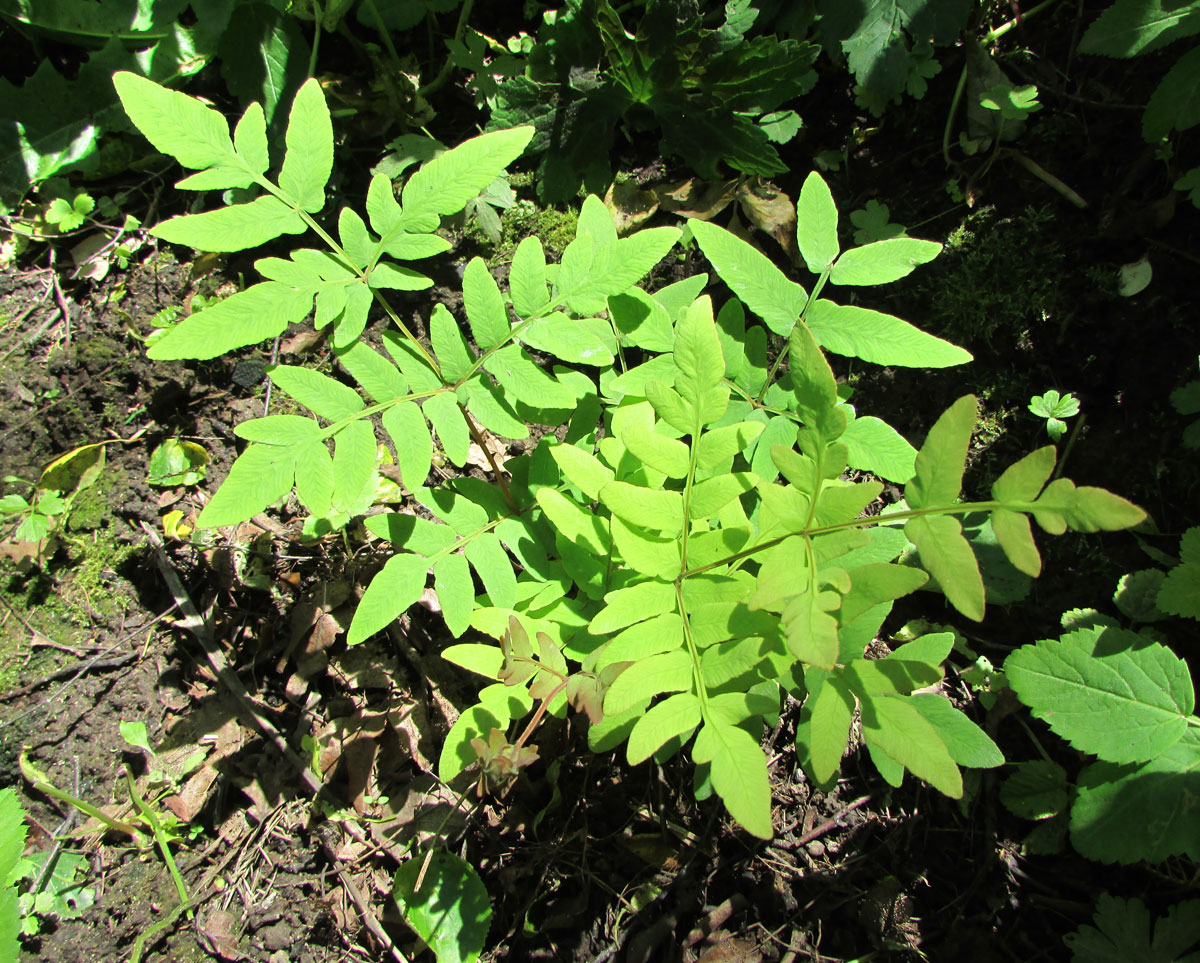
(160, 838)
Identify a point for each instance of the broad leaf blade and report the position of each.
(817, 224)
(309, 158)
(398, 585)
(879, 338)
(444, 900)
(195, 135)
(245, 318)
(234, 228)
(883, 261)
(1106, 691)
(760, 285)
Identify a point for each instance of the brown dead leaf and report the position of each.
(702, 200)
(25, 555)
(218, 933)
(194, 795)
(772, 211)
(629, 205)
(730, 950)
(302, 342)
(411, 724)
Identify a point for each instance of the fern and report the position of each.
(680, 549)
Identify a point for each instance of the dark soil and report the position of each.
(586, 859)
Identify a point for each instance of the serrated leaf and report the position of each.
(450, 910)
(1131, 814)
(195, 135)
(739, 774)
(234, 228)
(1180, 591)
(1175, 103)
(308, 161)
(1127, 28)
(399, 584)
(817, 224)
(1124, 933)
(760, 285)
(667, 720)
(261, 476)
(642, 681)
(883, 261)
(527, 278)
(1106, 691)
(1036, 790)
(879, 338)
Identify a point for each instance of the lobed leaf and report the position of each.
(308, 160)
(195, 135)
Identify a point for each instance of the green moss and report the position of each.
(998, 279)
(555, 229)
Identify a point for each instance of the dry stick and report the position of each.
(830, 823)
(202, 632)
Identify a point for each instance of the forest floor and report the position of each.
(228, 643)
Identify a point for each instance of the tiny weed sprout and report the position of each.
(1054, 407)
(683, 546)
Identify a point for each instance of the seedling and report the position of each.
(1054, 407)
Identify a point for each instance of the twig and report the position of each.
(361, 903)
(202, 632)
(831, 823)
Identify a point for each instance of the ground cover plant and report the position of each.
(586, 583)
(602, 544)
